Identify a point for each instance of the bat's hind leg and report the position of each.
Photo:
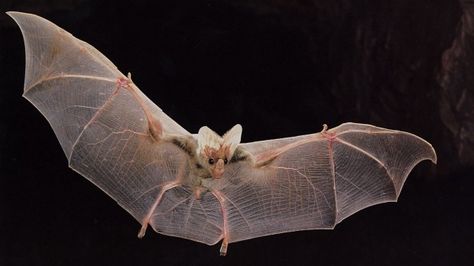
(147, 218)
(167, 186)
(225, 229)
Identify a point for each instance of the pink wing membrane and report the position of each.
(102, 129)
(313, 185)
(320, 182)
(68, 80)
(315, 182)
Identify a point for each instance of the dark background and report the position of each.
(280, 68)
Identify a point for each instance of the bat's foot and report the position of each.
(225, 229)
(142, 232)
(224, 245)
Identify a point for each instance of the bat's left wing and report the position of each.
(315, 181)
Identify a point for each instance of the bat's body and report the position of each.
(203, 186)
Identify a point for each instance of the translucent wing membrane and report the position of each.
(101, 126)
(320, 182)
(110, 133)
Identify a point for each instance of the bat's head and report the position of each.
(214, 151)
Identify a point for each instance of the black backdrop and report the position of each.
(280, 68)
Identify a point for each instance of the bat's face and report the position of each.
(216, 159)
(215, 151)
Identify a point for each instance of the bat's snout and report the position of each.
(219, 169)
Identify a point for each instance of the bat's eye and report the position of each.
(225, 160)
(211, 161)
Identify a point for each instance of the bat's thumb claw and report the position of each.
(325, 127)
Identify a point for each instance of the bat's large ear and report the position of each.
(207, 137)
(232, 138)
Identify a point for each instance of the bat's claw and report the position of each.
(325, 128)
(328, 135)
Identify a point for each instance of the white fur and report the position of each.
(207, 137)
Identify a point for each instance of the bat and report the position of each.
(203, 187)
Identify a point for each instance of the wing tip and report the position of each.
(430, 150)
(23, 18)
(11, 13)
(15, 15)
(432, 156)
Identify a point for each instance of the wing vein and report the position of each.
(66, 76)
(238, 210)
(333, 175)
(99, 111)
(353, 184)
(367, 132)
(174, 206)
(312, 186)
(188, 213)
(366, 153)
(207, 216)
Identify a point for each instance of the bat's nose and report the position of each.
(219, 169)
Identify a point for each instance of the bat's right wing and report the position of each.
(315, 181)
(108, 129)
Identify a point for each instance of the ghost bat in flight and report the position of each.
(203, 187)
